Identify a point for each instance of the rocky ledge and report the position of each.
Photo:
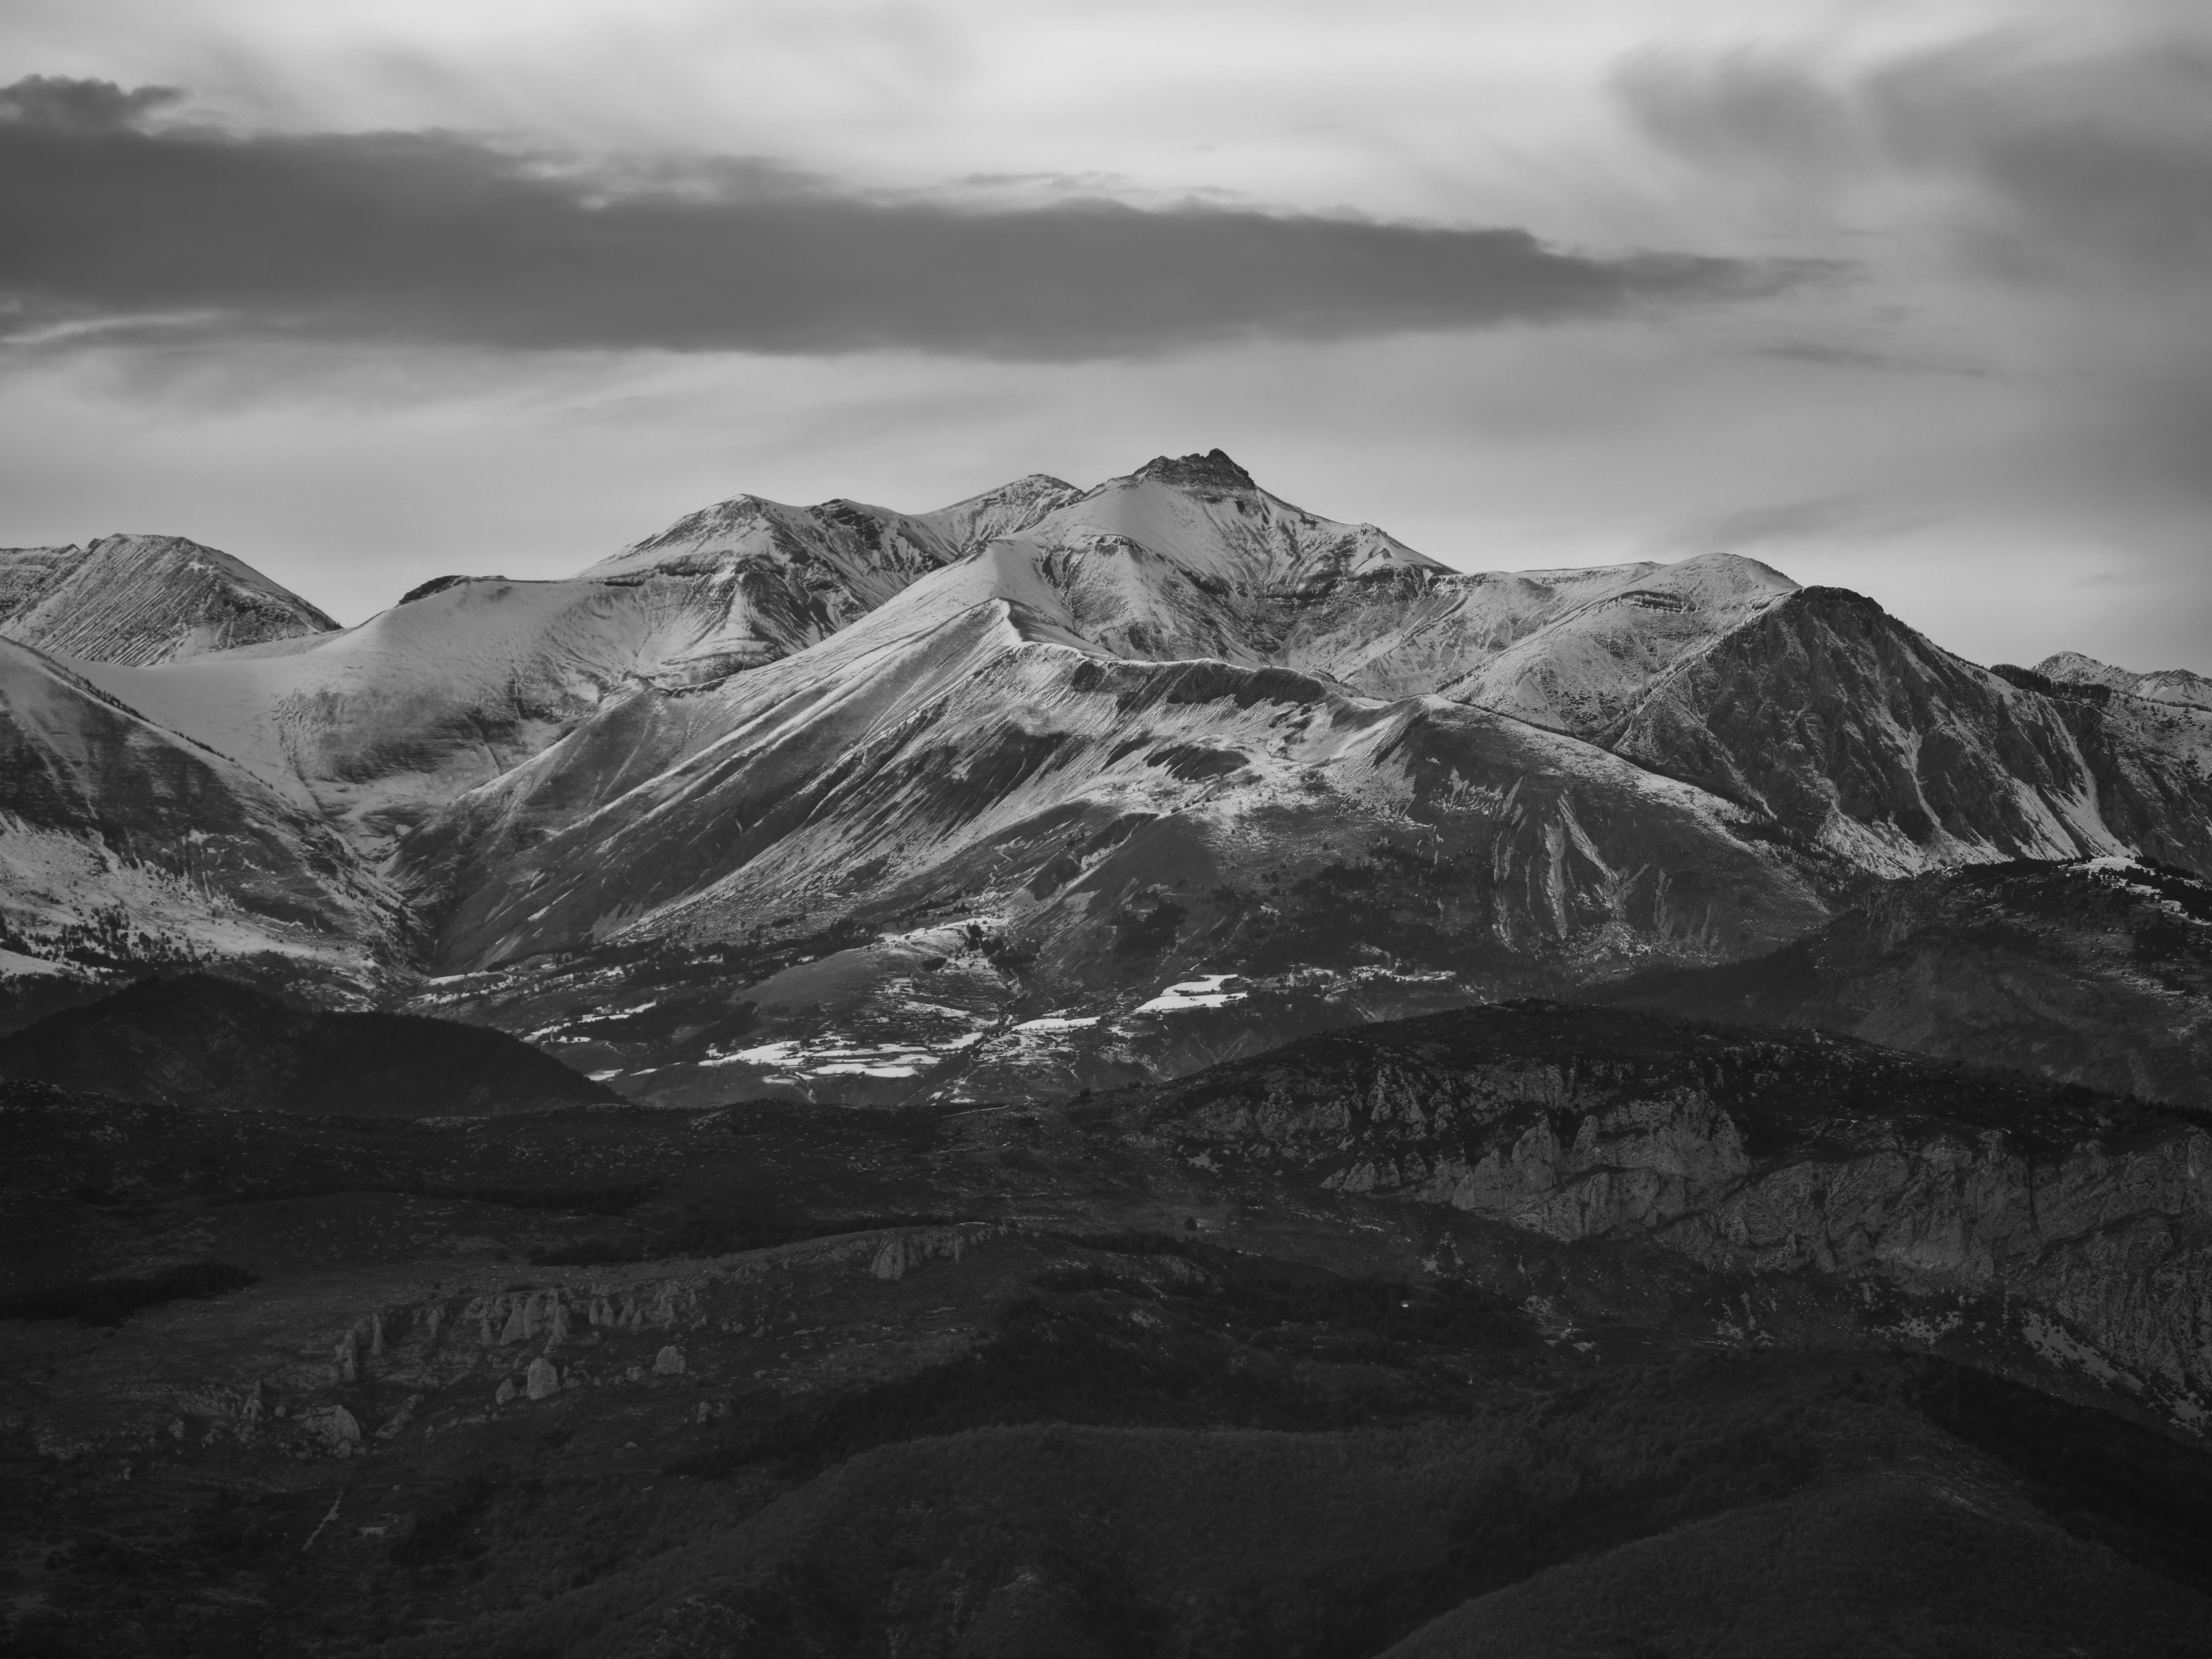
(2089, 1217)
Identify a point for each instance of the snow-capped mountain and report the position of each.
(381, 726)
(1070, 785)
(143, 599)
(961, 782)
(2160, 685)
(1190, 557)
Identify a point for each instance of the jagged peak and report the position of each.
(1211, 470)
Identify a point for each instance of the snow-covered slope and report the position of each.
(968, 761)
(143, 599)
(1188, 556)
(748, 581)
(380, 726)
(1205, 513)
(120, 841)
(2160, 685)
(1593, 659)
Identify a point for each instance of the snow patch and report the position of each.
(1209, 992)
(2061, 1347)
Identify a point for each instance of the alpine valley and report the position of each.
(1127, 1071)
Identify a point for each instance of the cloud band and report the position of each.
(442, 237)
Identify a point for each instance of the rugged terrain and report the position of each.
(2161, 685)
(1755, 1152)
(1675, 1340)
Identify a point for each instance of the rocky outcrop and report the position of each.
(1751, 1154)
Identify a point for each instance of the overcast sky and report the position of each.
(1913, 297)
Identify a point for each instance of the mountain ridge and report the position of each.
(2160, 685)
(1093, 744)
(209, 1044)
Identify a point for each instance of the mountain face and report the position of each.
(210, 1044)
(124, 842)
(1749, 1152)
(143, 599)
(1000, 773)
(1062, 787)
(1858, 735)
(2098, 974)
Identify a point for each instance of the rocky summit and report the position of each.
(1113, 1071)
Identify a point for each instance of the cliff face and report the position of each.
(1754, 1154)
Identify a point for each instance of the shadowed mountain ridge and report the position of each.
(201, 1041)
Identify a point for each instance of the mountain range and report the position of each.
(1116, 1072)
(1053, 788)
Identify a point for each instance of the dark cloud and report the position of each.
(1744, 111)
(2110, 159)
(2056, 151)
(437, 236)
(62, 105)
